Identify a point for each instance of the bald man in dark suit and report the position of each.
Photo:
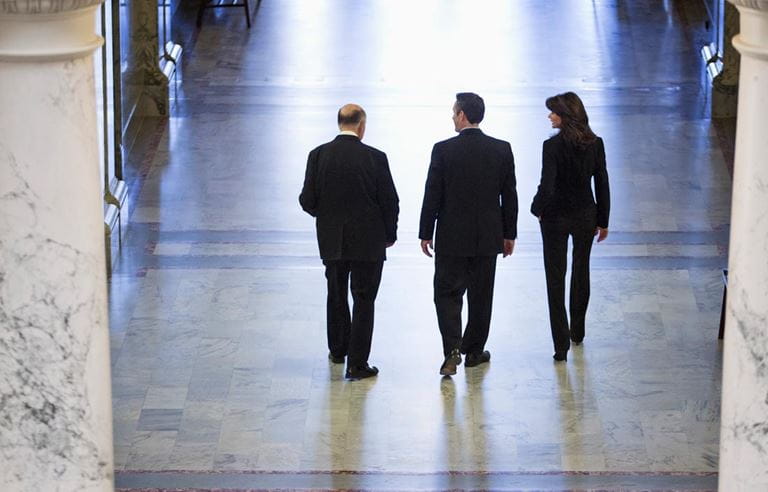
(348, 188)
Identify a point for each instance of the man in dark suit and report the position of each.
(470, 192)
(349, 189)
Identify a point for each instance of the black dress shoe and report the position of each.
(361, 372)
(335, 359)
(560, 356)
(450, 363)
(473, 360)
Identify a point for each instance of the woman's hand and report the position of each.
(601, 233)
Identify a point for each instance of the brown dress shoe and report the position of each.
(450, 363)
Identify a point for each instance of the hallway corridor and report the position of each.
(217, 302)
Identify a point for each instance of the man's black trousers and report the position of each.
(351, 334)
(555, 233)
(455, 275)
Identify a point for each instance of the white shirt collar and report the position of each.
(348, 132)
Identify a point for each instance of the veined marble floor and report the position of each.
(219, 368)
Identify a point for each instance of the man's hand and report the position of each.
(509, 247)
(601, 233)
(426, 245)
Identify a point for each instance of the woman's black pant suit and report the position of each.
(567, 208)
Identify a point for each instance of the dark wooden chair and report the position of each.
(220, 4)
(721, 333)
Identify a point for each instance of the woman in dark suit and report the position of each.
(566, 207)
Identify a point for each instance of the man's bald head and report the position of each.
(352, 118)
(351, 115)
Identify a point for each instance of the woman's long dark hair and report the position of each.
(575, 122)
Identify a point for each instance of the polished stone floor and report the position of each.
(219, 368)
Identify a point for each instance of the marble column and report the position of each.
(744, 425)
(146, 88)
(55, 402)
(143, 60)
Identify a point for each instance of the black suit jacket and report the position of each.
(566, 181)
(349, 189)
(470, 192)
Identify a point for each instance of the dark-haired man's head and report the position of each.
(468, 110)
(351, 117)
